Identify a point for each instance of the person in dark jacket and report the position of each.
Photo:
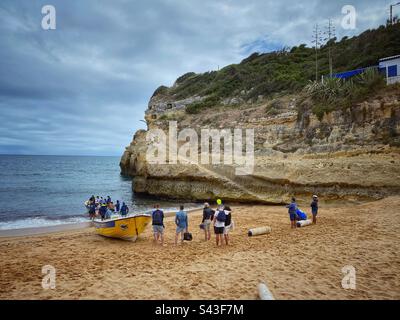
(92, 211)
(228, 223)
(158, 224)
(124, 209)
(314, 209)
(117, 206)
(208, 215)
(292, 207)
(103, 210)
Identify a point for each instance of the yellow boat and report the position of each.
(127, 228)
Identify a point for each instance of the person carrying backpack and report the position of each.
(208, 215)
(158, 224)
(182, 225)
(219, 224)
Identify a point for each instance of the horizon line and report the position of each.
(57, 155)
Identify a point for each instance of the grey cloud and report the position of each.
(82, 89)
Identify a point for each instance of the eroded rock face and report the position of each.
(348, 154)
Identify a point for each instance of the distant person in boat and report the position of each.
(111, 206)
(117, 206)
(182, 224)
(92, 200)
(219, 223)
(228, 223)
(208, 215)
(292, 210)
(314, 208)
(109, 200)
(124, 209)
(103, 211)
(108, 213)
(158, 224)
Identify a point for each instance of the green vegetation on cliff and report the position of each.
(333, 93)
(288, 71)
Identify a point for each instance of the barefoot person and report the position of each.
(182, 225)
(208, 215)
(158, 224)
(314, 209)
(292, 207)
(228, 223)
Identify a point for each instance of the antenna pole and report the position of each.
(391, 12)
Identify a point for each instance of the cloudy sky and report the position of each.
(82, 89)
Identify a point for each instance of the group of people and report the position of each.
(293, 209)
(105, 207)
(221, 219)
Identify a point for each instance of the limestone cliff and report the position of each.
(350, 153)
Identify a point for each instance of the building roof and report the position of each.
(390, 58)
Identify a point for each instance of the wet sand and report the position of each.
(295, 264)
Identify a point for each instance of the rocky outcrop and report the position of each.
(350, 153)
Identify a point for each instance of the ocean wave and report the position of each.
(38, 222)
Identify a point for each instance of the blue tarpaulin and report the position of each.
(352, 73)
(348, 74)
(302, 215)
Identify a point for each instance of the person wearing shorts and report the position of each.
(181, 221)
(228, 224)
(158, 224)
(208, 215)
(219, 226)
(292, 207)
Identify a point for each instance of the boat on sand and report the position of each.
(127, 228)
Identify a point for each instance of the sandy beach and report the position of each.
(296, 264)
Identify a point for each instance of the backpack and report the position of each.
(157, 218)
(221, 216)
(187, 236)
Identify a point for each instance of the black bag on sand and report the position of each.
(187, 236)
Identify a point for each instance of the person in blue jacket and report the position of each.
(124, 209)
(117, 206)
(292, 208)
(181, 221)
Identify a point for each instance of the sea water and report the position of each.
(37, 191)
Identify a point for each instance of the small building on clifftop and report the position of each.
(391, 66)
